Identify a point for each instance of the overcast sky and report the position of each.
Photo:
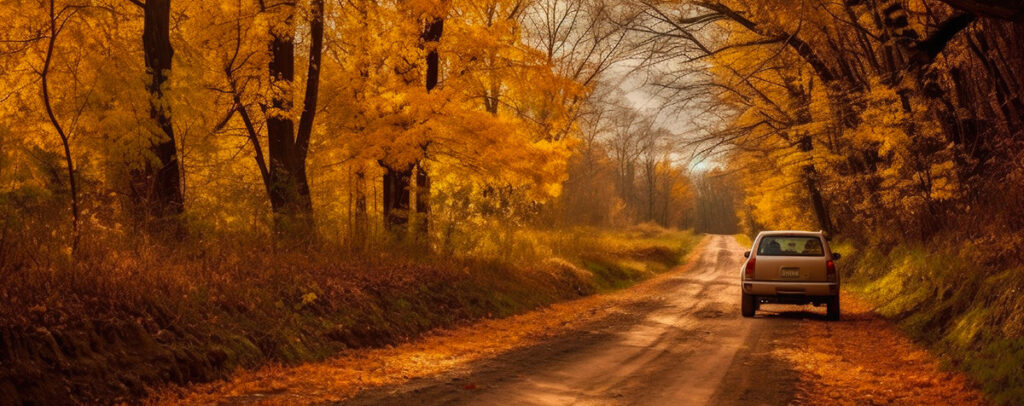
(631, 82)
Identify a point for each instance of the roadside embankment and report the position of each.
(961, 300)
(115, 325)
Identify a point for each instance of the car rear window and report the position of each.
(791, 246)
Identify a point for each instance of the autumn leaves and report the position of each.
(222, 102)
(854, 116)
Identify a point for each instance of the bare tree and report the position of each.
(57, 21)
(582, 40)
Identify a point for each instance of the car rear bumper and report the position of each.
(777, 288)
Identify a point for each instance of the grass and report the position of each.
(118, 321)
(616, 260)
(744, 240)
(966, 307)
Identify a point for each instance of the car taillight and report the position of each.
(750, 268)
(830, 270)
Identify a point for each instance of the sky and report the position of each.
(631, 81)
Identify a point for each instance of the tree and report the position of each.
(863, 105)
(287, 145)
(57, 20)
(157, 186)
(397, 182)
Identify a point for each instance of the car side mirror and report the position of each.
(836, 256)
(746, 254)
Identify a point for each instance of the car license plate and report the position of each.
(790, 273)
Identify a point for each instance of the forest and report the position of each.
(190, 187)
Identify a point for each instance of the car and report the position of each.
(790, 267)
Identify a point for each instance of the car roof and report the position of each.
(792, 232)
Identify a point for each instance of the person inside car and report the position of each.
(791, 248)
(812, 247)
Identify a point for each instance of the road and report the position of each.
(685, 344)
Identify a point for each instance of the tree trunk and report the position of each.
(64, 138)
(396, 198)
(820, 210)
(422, 200)
(289, 192)
(397, 182)
(1012, 10)
(431, 35)
(161, 179)
(805, 143)
(650, 175)
(814, 191)
(361, 226)
(288, 187)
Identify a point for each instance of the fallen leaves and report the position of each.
(864, 359)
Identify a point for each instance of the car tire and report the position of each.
(832, 312)
(748, 305)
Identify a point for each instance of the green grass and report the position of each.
(744, 240)
(620, 259)
(967, 311)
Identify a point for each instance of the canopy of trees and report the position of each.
(882, 120)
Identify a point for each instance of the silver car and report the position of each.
(790, 267)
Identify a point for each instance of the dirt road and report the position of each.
(674, 348)
(675, 340)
